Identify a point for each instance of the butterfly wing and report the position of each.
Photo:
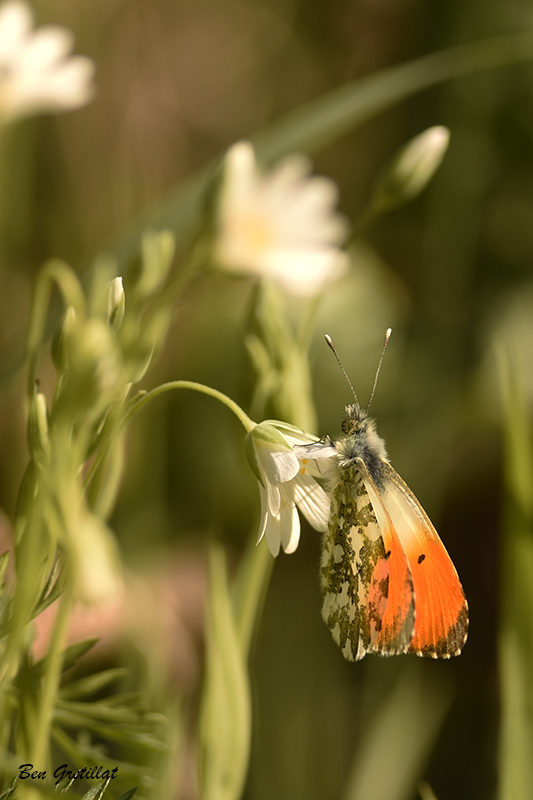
(441, 621)
(368, 591)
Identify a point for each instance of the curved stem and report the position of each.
(140, 403)
(70, 287)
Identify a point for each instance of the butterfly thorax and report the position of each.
(360, 441)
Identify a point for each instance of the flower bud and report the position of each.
(412, 168)
(95, 560)
(116, 303)
(38, 438)
(94, 374)
(157, 254)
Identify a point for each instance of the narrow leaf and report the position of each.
(225, 719)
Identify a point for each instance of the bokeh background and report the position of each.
(179, 81)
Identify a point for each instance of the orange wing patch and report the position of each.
(442, 618)
(441, 621)
(393, 576)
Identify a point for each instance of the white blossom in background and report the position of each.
(285, 484)
(280, 224)
(37, 73)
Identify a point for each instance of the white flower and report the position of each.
(284, 484)
(280, 225)
(36, 72)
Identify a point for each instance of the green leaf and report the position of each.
(72, 655)
(516, 622)
(129, 794)
(9, 791)
(225, 716)
(4, 561)
(86, 755)
(92, 683)
(97, 791)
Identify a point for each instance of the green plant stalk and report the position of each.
(51, 679)
(250, 589)
(306, 324)
(516, 622)
(28, 563)
(225, 717)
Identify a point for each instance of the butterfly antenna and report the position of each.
(332, 347)
(385, 343)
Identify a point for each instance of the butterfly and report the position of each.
(389, 585)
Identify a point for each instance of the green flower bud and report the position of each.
(116, 303)
(38, 438)
(157, 254)
(412, 169)
(95, 374)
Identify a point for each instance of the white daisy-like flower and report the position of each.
(36, 71)
(285, 484)
(280, 224)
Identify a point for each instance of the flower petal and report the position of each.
(36, 72)
(289, 528)
(281, 224)
(312, 501)
(274, 498)
(15, 23)
(264, 512)
(273, 534)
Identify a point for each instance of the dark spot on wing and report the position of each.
(421, 557)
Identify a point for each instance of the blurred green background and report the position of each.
(178, 81)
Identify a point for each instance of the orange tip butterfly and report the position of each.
(389, 585)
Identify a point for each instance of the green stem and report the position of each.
(307, 322)
(140, 402)
(250, 590)
(51, 678)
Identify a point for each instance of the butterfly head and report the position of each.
(355, 420)
(360, 441)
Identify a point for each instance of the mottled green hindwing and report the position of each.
(355, 587)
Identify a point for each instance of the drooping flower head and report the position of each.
(285, 484)
(281, 224)
(36, 71)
